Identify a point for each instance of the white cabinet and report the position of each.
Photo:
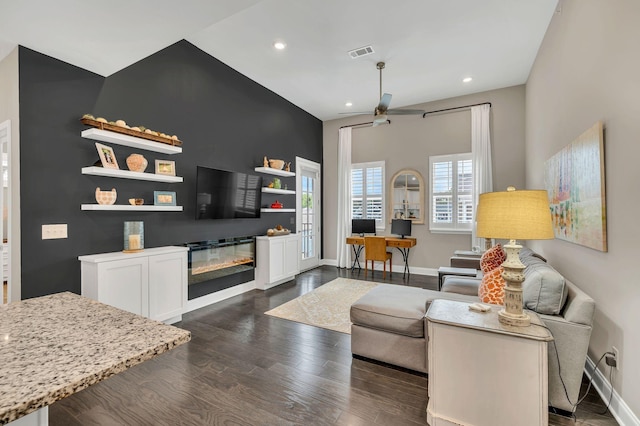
(152, 283)
(277, 259)
(482, 372)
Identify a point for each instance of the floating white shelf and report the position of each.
(126, 174)
(278, 210)
(125, 207)
(277, 172)
(278, 191)
(131, 141)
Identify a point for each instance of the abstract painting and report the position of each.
(574, 178)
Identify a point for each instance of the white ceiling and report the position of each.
(429, 46)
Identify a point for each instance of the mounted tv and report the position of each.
(222, 194)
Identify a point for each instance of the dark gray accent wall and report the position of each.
(224, 119)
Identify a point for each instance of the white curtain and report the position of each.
(344, 195)
(481, 155)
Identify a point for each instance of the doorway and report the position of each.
(5, 139)
(308, 210)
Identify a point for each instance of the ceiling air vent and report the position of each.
(361, 51)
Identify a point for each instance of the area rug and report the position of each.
(327, 306)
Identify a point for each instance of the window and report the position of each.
(367, 192)
(451, 193)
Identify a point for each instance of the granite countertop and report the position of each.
(54, 346)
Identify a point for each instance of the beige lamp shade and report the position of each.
(514, 215)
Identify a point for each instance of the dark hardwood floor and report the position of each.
(246, 368)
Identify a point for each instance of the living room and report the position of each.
(581, 75)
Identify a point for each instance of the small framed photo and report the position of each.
(164, 198)
(107, 156)
(165, 167)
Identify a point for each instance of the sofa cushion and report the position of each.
(492, 258)
(543, 289)
(491, 288)
(393, 308)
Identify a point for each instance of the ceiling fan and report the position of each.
(381, 112)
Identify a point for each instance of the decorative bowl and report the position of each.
(136, 201)
(276, 164)
(106, 197)
(137, 163)
(276, 205)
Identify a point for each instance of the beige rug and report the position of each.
(327, 306)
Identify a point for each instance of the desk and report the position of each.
(402, 244)
(54, 346)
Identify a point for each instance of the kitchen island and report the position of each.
(56, 345)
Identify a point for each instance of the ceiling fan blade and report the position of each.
(405, 111)
(356, 113)
(385, 100)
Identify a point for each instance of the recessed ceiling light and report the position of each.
(348, 104)
(280, 45)
(467, 79)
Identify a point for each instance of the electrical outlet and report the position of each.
(292, 221)
(53, 232)
(617, 356)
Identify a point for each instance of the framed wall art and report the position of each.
(574, 179)
(164, 198)
(107, 156)
(165, 167)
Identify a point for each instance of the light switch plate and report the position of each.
(53, 232)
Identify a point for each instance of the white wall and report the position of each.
(409, 141)
(587, 70)
(9, 110)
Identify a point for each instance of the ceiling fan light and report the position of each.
(380, 118)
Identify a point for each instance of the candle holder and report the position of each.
(133, 237)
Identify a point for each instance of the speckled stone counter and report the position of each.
(54, 346)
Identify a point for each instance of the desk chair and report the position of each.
(375, 248)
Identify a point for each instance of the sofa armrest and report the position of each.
(579, 307)
(460, 285)
(570, 342)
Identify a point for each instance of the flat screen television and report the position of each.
(222, 194)
(401, 227)
(363, 226)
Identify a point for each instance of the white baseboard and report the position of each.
(219, 296)
(619, 409)
(398, 268)
(328, 262)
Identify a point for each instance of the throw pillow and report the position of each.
(492, 258)
(491, 288)
(544, 289)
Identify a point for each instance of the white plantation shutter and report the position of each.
(451, 193)
(367, 192)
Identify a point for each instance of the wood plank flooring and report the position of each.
(246, 368)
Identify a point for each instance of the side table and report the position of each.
(448, 270)
(482, 372)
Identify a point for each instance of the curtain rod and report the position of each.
(362, 124)
(455, 108)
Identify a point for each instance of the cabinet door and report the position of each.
(125, 284)
(276, 259)
(167, 285)
(291, 256)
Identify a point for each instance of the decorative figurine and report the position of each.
(288, 167)
(265, 162)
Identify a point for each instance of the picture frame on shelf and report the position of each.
(107, 156)
(166, 167)
(164, 198)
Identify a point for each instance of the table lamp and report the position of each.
(514, 215)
